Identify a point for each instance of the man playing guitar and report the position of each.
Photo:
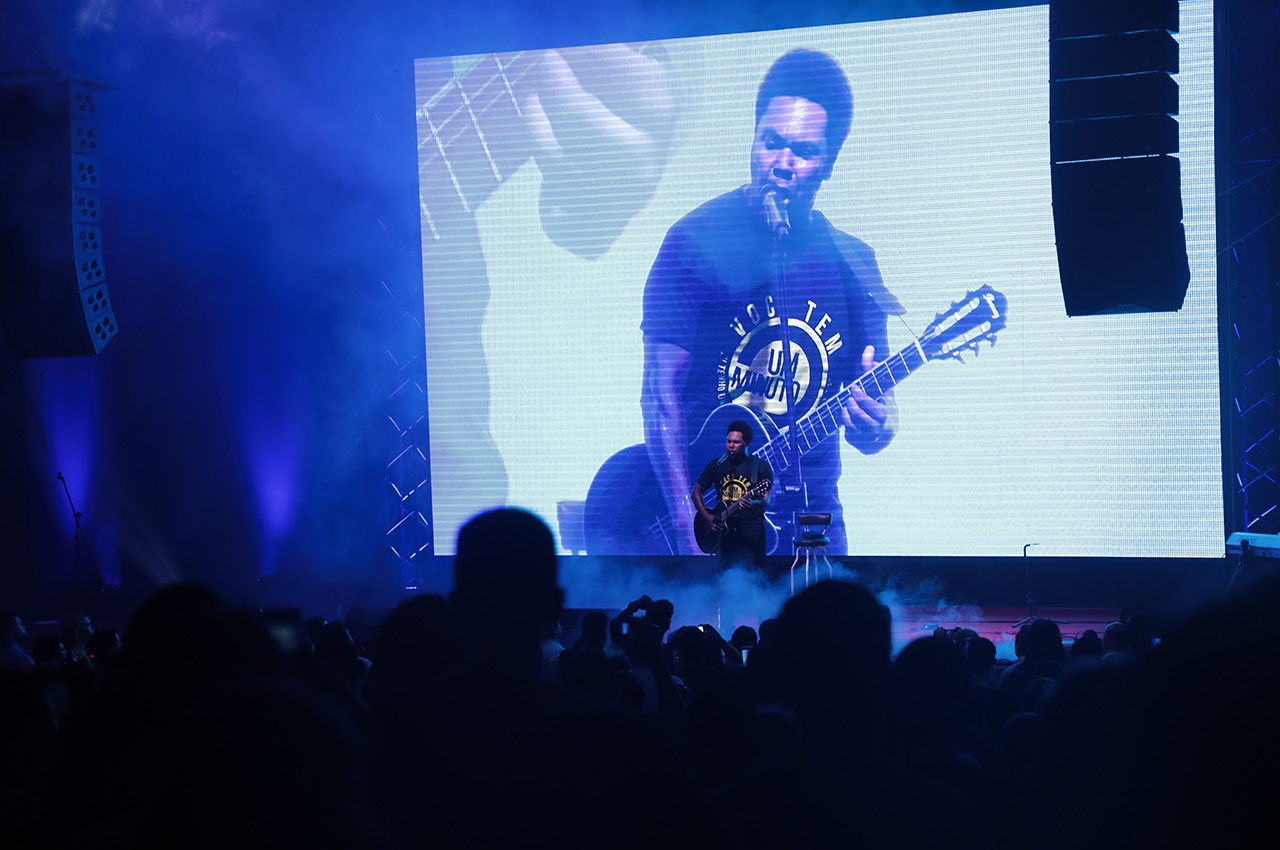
(742, 485)
(715, 304)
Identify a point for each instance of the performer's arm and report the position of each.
(701, 506)
(869, 424)
(665, 366)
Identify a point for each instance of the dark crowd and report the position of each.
(475, 721)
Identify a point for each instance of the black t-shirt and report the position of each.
(711, 292)
(731, 478)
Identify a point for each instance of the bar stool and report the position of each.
(813, 539)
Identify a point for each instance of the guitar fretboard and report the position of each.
(471, 134)
(825, 419)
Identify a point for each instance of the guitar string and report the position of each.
(475, 122)
(806, 429)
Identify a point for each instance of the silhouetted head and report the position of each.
(933, 671)
(594, 630)
(76, 629)
(690, 646)
(170, 622)
(11, 627)
(417, 641)
(769, 631)
(505, 577)
(185, 637)
(743, 636)
(660, 614)
(1087, 645)
(1115, 638)
(834, 647)
(1042, 641)
(980, 653)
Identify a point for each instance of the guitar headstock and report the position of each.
(975, 318)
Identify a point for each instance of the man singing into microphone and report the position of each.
(714, 303)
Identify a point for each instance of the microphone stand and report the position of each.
(81, 539)
(1031, 602)
(789, 450)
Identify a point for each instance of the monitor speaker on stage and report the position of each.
(1113, 140)
(53, 292)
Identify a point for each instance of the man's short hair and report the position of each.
(743, 427)
(505, 556)
(816, 76)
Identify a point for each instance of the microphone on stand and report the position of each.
(775, 213)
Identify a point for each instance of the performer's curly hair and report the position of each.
(743, 426)
(816, 76)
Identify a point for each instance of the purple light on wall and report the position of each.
(64, 396)
(273, 448)
(63, 428)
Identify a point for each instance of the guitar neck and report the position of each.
(471, 133)
(826, 419)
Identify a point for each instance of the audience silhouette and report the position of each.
(436, 723)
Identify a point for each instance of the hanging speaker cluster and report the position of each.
(53, 292)
(1113, 139)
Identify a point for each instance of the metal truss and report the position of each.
(1250, 260)
(408, 472)
(1256, 446)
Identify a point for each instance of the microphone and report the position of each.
(776, 213)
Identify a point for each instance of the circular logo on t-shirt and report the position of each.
(732, 488)
(754, 372)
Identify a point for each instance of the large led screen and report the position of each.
(600, 278)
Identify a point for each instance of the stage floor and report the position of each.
(995, 623)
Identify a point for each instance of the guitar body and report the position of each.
(625, 513)
(708, 538)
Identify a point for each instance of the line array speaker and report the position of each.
(1113, 139)
(53, 291)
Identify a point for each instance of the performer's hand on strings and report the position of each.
(869, 424)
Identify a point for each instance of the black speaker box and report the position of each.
(1117, 191)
